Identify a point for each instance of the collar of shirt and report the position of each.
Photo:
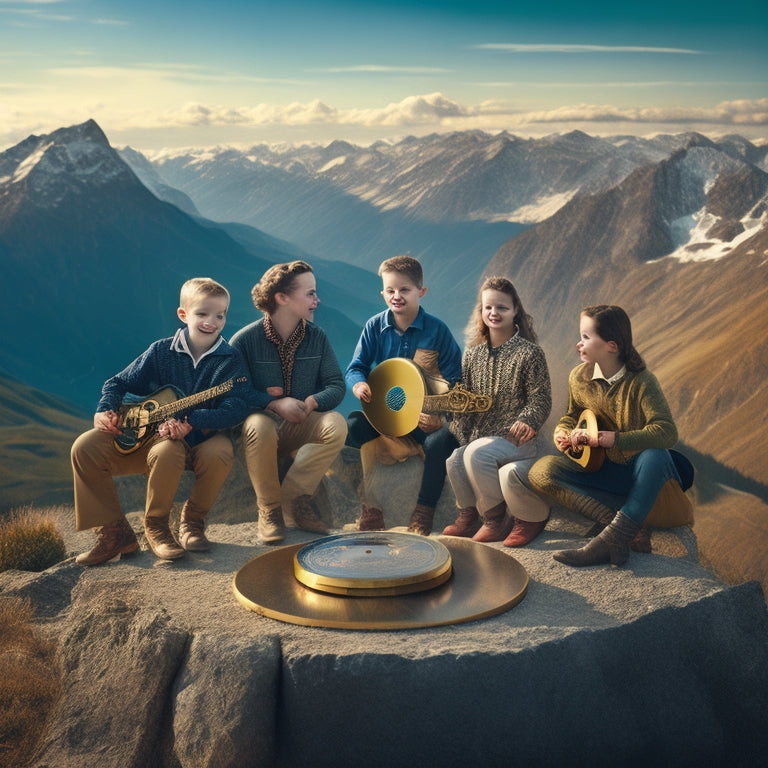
(618, 376)
(180, 343)
(418, 321)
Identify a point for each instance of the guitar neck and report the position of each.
(164, 411)
(457, 400)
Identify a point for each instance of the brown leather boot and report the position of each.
(271, 525)
(467, 523)
(496, 524)
(192, 530)
(113, 540)
(160, 538)
(305, 515)
(611, 546)
(421, 520)
(371, 519)
(524, 532)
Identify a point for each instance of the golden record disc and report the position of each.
(485, 581)
(373, 563)
(397, 397)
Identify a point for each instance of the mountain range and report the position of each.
(95, 242)
(93, 262)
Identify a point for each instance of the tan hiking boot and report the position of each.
(305, 515)
(113, 540)
(421, 520)
(371, 519)
(271, 525)
(160, 539)
(192, 530)
(467, 523)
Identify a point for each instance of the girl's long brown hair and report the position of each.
(476, 331)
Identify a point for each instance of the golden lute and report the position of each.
(401, 390)
(589, 458)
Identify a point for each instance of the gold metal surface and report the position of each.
(373, 563)
(397, 397)
(485, 581)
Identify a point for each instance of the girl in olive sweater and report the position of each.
(635, 426)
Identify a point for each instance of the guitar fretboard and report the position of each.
(164, 411)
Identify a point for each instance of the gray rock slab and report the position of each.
(119, 657)
(225, 703)
(657, 662)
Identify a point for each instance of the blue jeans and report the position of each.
(631, 487)
(438, 446)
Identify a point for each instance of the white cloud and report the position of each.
(572, 48)
(387, 69)
(436, 109)
(742, 112)
(317, 120)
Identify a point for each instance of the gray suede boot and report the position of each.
(612, 545)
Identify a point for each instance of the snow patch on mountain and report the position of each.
(540, 209)
(695, 243)
(26, 166)
(337, 161)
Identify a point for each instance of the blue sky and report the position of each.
(169, 73)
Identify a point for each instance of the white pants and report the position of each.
(492, 470)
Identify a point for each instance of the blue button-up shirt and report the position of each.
(381, 340)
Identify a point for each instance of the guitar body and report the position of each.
(589, 458)
(140, 418)
(136, 419)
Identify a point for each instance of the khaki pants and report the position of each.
(316, 442)
(95, 461)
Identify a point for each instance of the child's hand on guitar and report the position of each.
(174, 429)
(107, 421)
(562, 440)
(362, 391)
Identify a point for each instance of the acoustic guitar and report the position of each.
(589, 458)
(400, 391)
(140, 420)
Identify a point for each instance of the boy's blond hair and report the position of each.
(406, 266)
(201, 287)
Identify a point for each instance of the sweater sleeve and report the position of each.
(331, 381)
(141, 377)
(538, 390)
(364, 356)
(649, 422)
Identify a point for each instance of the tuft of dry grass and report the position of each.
(29, 541)
(30, 682)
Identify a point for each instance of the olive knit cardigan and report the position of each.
(634, 407)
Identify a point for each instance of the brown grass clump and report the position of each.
(29, 682)
(29, 541)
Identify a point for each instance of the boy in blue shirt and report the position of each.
(196, 359)
(404, 329)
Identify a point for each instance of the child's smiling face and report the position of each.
(205, 318)
(401, 294)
